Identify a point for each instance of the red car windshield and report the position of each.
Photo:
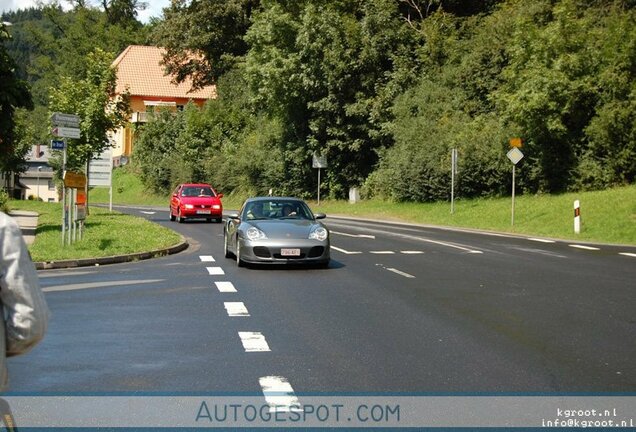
(198, 191)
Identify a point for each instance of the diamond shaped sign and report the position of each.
(515, 155)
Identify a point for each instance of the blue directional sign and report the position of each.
(57, 145)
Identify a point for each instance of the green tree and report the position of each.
(14, 93)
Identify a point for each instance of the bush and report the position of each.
(4, 201)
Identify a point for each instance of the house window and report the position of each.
(180, 107)
(51, 185)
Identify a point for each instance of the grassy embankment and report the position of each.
(607, 216)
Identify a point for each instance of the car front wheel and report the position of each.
(239, 261)
(228, 254)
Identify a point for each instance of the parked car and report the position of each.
(196, 201)
(276, 230)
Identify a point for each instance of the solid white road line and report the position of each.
(214, 271)
(344, 251)
(401, 273)
(225, 286)
(206, 258)
(353, 235)
(236, 309)
(633, 255)
(90, 285)
(253, 342)
(540, 240)
(382, 252)
(583, 247)
(279, 394)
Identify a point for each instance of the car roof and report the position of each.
(194, 185)
(273, 198)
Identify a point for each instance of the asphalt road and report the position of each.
(401, 309)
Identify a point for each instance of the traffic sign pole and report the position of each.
(512, 220)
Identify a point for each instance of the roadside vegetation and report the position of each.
(105, 234)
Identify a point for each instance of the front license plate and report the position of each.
(203, 212)
(290, 252)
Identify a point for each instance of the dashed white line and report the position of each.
(345, 251)
(583, 247)
(279, 394)
(254, 342)
(387, 252)
(540, 240)
(236, 309)
(206, 258)
(215, 271)
(225, 286)
(411, 252)
(401, 273)
(633, 255)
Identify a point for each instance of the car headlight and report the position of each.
(319, 233)
(189, 206)
(254, 233)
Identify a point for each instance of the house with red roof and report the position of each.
(139, 71)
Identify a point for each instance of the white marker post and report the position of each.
(577, 217)
(515, 156)
(319, 162)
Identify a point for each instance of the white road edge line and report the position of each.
(583, 247)
(369, 236)
(633, 255)
(254, 342)
(215, 271)
(279, 394)
(90, 285)
(206, 258)
(236, 309)
(344, 251)
(401, 273)
(225, 286)
(540, 240)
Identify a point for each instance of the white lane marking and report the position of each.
(147, 212)
(207, 258)
(344, 251)
(401, 273)
(225, 286)
(540, 240)
(353, 235)
(90, 285)
(583, 247)
(235, 309)
(382, 252)
(279, 394)
(539, 251)
(633, 255)
(214, 271)
(411, 252)
(254, 342)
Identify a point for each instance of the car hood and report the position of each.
(285, 228)
(200, 200)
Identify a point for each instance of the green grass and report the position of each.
(105, 234)
(607, 216)
(127, 189)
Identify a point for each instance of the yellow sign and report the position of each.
(74, 180)
(516, 142)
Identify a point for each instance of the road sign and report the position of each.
(66, 132)
(57, 145)
(319, 161)
(100, 169)
(68, 120)
(74, 180)
(516, 142)
(515, 155)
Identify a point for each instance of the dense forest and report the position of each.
(383, 88)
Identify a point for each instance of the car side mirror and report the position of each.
(219, 195)
(320, 215)
(233, 216)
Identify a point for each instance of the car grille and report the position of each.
(316, 251)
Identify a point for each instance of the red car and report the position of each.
(196, 200)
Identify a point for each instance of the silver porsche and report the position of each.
(277, 230)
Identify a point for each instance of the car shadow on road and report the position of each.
(333, 265)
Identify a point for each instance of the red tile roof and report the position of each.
(139, 69)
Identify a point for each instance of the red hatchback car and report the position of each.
(196, 200)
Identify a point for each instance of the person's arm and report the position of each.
(25, 311)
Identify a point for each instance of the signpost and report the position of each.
(319, 162)
(515, 156)
(67, 126)
(100, 171)
(453, 172)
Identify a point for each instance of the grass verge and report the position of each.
(105, 234)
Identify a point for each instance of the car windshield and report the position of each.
(197, 191)
(276, 209)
